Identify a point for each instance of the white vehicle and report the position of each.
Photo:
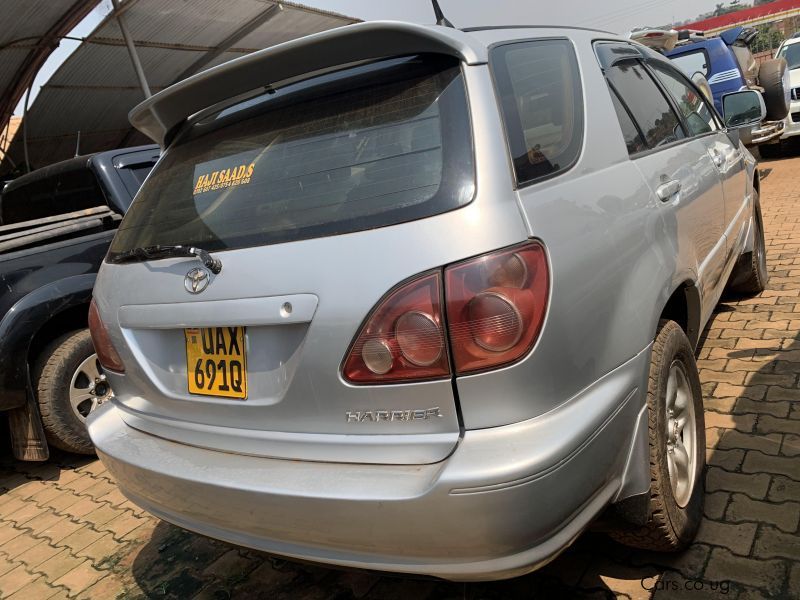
(790, 50)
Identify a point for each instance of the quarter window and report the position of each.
(695, 109)
(539, 88)
(647, 105)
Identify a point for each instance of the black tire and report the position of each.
(772, 77)
(53, 373)
(750, 276)
(671, 527)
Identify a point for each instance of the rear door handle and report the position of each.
(668, 189)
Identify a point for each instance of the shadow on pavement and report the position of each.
(14, 473)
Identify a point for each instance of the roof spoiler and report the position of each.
(158, 116)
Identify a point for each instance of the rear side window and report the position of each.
(61, 193)
(366, 147)
(633, 137)
(647, 105)
(538, 84)
(697, 114)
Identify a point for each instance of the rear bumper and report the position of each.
(507, 501)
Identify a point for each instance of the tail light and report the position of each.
(496, 305)
(106, 353)
(403, 338)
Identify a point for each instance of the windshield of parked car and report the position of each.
(791, 52)
(366, 147)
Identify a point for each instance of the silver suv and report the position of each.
(423, 300)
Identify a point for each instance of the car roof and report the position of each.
(160, 116)
(790, 41)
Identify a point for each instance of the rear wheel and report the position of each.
(69, 385)
(677, 447)
(750, 276)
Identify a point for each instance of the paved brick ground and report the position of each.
(66, 531)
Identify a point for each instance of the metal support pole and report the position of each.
(137, 66)
(25, 126)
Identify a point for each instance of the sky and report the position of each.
(612, 15)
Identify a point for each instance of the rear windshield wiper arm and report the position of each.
(155, 252)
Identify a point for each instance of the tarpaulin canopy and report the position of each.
(91, 93)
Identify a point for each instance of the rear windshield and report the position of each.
(366, 147)
(65, 192)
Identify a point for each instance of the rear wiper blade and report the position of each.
(156, 252)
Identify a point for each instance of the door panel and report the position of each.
(687, 184)
(729, 161)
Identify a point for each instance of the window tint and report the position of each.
(692, 62)
(539, 88)
(133, 177)
(65, 192)
(633, 139)
(366, 147)
(695, 109)
(648, 106)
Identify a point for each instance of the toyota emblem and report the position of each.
(196, 280)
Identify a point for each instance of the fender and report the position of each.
(21, 323)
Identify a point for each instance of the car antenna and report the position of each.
(440, 18)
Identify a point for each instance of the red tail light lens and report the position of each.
(106, 353)
(403, 339)
(496, 305)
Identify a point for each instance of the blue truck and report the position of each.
(729, 66)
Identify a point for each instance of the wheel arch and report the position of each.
(685, 308)
(24, 330)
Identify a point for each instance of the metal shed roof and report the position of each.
(95, 88)
(29, 31)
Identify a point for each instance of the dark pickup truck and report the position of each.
(56, 224)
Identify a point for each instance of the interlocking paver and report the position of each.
(785, 516)
(39, 589)
(79, 578)
(75, 535)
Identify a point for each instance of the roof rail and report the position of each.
(158, 116)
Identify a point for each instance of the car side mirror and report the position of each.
(743, 108)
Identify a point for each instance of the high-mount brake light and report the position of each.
(496, 304)
(106, 353)
(403, 339)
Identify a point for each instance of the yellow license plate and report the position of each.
(216, 361)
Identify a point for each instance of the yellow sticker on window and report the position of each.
(224, 178)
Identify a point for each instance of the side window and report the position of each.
(647, 105)
(632, 135)
(695, 109)
(692, 62)
(538, 84)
